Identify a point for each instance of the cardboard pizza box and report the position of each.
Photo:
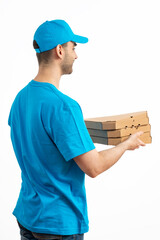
(118, 121)
(145, 137)
(119, 132)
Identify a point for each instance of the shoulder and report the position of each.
(59, 100)
(59, 105)
(68, 102)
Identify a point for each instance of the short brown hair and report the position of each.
(44, 57)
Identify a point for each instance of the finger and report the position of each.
(141, 143)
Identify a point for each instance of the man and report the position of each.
(52, 144)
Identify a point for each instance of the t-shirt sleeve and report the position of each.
(69, 132)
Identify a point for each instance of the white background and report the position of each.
(118, 71)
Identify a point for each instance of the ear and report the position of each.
(59, 51)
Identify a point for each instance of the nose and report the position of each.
(76, 55)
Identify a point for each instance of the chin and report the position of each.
(69, 72)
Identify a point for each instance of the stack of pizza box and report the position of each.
(116, 129)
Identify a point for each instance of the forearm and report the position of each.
(107, 158)
(93, 162)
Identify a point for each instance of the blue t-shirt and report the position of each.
(47, 132)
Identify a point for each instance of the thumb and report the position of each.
(141, 143)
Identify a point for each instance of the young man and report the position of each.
(52, 145)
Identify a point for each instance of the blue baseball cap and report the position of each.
(51, 33)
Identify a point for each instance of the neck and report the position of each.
(49, 74)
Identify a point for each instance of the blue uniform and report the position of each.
(47, 132)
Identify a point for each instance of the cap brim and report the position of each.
(79, 39)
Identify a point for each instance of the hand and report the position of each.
(133, 142)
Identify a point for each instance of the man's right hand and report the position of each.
(94, 163)
(133, 142)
